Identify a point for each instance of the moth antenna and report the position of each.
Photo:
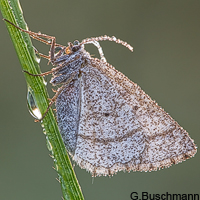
(95, 43)
(103, 38)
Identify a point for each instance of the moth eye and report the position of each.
(75, 48)
(76, 42)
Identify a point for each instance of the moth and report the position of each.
(107, 122)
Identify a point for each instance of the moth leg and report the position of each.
(34, 35)
(56, 95)
(52, 70)
(60, 53)
(52, 57)
(42, 74)
(42, 55)
(39, 36)
(52, 50)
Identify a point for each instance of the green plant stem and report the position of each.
(12, 11)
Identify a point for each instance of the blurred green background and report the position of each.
(165, 63)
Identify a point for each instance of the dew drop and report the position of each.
(57, 49)
(44, 80)
(76, 42)
(32, 106)
(44, 131)
(114, 38)
(49, 146)
(56, 166)
(37, 55)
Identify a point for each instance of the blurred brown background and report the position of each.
(165, 63)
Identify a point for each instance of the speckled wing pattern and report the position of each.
(107, 122)
(121, 128)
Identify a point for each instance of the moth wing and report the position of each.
(67, 110)
(122, 128)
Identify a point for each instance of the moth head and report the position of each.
(72, 48)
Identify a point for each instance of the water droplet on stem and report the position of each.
(37, 55)
(32, 106)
